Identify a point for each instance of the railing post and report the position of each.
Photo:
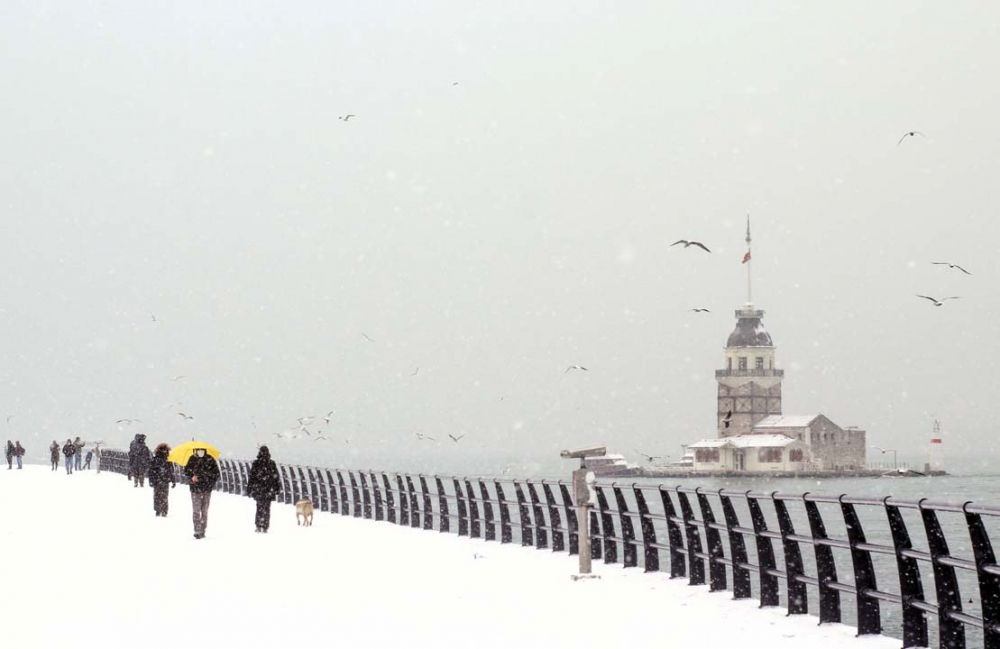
(555, 523)
(390, 505)
(475, 527)
(607, 528)
(650, 555)
(296, 488)
(524, 516)
(989, 584)
(355, 496)
(951, 633)
(444, 524)
(911, 588)
(428, 509)
(630, 557)
(674, 537)
(737, 548)
(463, 516)
(414, 504)
(286, 486)
(490, 527)
(324, 494)
(716, 554)
(571, 520)
(869, 620)
(826, 568)
(332, 486)
(366, 497)
(379, 509)
(505, 534)
(538, 513)
(345, 509)
(798, 598)
(695, 563)
(404, 503)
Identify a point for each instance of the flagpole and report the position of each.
(749, 262)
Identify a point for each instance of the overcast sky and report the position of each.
(186, 159)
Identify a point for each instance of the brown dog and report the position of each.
(304, 509)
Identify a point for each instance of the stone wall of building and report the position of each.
(835, 448)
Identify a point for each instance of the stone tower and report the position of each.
(749, 384)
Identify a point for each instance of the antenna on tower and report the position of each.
(746, 260)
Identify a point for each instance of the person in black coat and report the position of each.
(69, 450)
(203, 472)
(54, 454)
(161, 478)
(263, 485)
(10, 455)
(138, 460)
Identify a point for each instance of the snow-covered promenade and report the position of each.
(86, 564)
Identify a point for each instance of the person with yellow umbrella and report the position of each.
(202, 470)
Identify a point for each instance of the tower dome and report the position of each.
(749, 331)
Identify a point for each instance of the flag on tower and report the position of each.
(746, 257)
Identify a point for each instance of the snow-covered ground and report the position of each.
(85, 563)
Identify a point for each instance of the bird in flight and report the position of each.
(507, 469)
(306, 431)
(701, 310)
(185, 416)
(346, 117)
(688, 244)
(455, 83)
(286, 435)
(366, 337)
(729, 417)
(423, 437)
(941, 301)
(910, 134)
(884, 450)
(305, 421)
(950, 265)
(576, 367)
(9, 418)
(327, 418)
(178, 378)
(128, 421)
(319, 437)
(455, 439)
(648, 456)
(152, 316)
(415, 371)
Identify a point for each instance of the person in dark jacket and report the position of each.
(69, 450)
(138, 460)
(161, 476)
(78, 458)
(10, 455)
(54, 454)
(263, 485)
(90, 456)
(18, 453)
(203, 472)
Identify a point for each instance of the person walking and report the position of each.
(161, 478)
(203, 472)
(138, 460)
(54, 454)
(69, 450)
(263, 485)
(90, 456)
(9, 453)
(78, 458)
(18, 453)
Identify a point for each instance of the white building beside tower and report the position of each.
(753, 433)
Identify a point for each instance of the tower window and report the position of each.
(743, 362)
(759, 362)
(729, 364)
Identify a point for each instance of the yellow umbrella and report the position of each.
(181, 454)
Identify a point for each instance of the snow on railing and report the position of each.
(877, 563)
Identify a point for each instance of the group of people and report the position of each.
(14, 452)
(202, 472)
(72, 451)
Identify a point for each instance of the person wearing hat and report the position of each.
(203, 472)
(54, 454)
(69, 450)
(263, 485)
(161, 478)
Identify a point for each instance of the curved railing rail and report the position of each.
(945, 585)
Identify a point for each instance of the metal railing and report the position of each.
(862, 550)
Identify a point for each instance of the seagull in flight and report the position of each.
(700, 310)
(941, 301)
(688, 244)
(507, 469)
(884, 450)
(286, 435)
(366, 337)
(346, 117)
(910, 134)
(729, 418)
(128, 421)
(455, 439)
(950, 265)
(319, 437)
(185, 416)
(576, 367)
(178, 378)
(648, 456)
(152, 316)
(305, 421)
(415, 371)
(423, 437)
(328, 415)
(9, 418)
